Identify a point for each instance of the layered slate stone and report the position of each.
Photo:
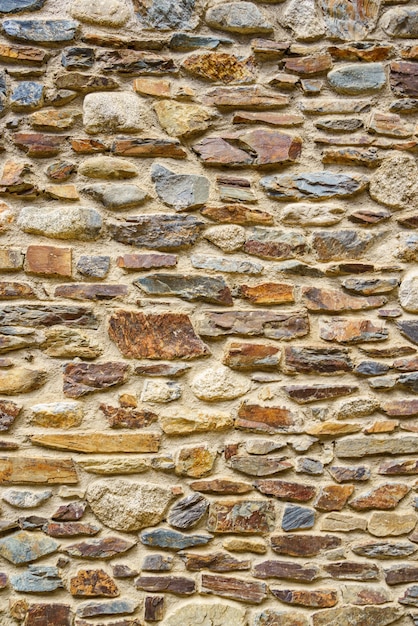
(37, 470)
(169, 15)
(105, 548)
(83, 378)
(254, 323)
(300, 545)
(274, 244)
(316, 360)
(20, 6)
(100, 443)
(320, 598)
(285, 490)
(252, 356)
(112, 607)
(352, 331)
(152, 336)
(270, 419)
(169, 584)
(244, 516)
(181, 191)
(41, 31)
(158, 232)
(375, 616)
(334, 301)
(251, 97)
(357, 447)
(350, 20)
(206, 288)
(37, 579)
(26, 547)
(250, 592)
(173, 539)
(404, 78)
(50, 614)
(303, 394)
(286, 571)
(313, 185)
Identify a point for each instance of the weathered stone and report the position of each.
(41, 31)
(195, 462)
(399, 468)
(37, 579)
(270, 617)
(172, 539)
(274, 244)
(108, 168)
(253, 323)
(182, 120)
(217, 614)
(270, 419)
(39, 144)
(25, 499)
(70, 512)
(122, 417)
(112, 113)
(9, 411)
(313, 185)
(181, 41)
(352, 570)
(188, 512)
(127, 61)
(337, 522)
(251, 97)
(349, 331)
(394, 183)
(181, 191)
(208, 289)
(285, 571)
(308, 360)
(311, 214)
(344, 244)
(348, 474)
(93, 266)
(169, 584)
(237, 214)
(73, 223)
(309, 65)
(111, 13)
(333, 497)
(149, 148)
(355, 616)
(410, 597)
(304, 19)
(195, 423)
(167, 15)
(88, 146)
(68, 343)
(236, 17)
(151, 563)
(216, 384)
(100, 443)
(401, 22)
(244, 516)
(21, 380)
(234, 588)
(33, 470)
(151, 336)
(221, 486)
(385, 497)
(391, 524)
(109, 467)
(228, 237)
(146, 261)
(99, 548)
(48, 614)
(365, 446)
(320, 598)
(384, 549)
(221, 264)
(78, 58)
(83, 378)
(303, 394)
(23, 547)
(350, 21)
(358, 78)
(220, 67)
(113, 607)
(333, 301)
(214, 562)
(297, 518)
(158, 232)
(97, 292)
(404, 78)
(252, 356)
(93, 583)
(268, 117)
(300, 545)
(260, 466)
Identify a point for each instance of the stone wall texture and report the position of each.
(208, 313)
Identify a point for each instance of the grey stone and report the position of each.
(409, 329)
(228, 265)
(19, 6)
(238, 17)
(371, 368)
(385, 549)
(313, 467)
(25, 547)
(297, 518)
(172, 539)
(188, 512)
(304, 19)
(73, 223)
(351, 21)
(358, 78)
(27, 96)
(313, 185)
(205, 288)
(26, 499)
(93, 266)
(357, 447)
(410, 598)
(180, 191)
(214, 613)
(113, 607)
(113, 112)
(117, 197)
(37, 579)
(394, 184)
(41, 31)
(182, 41)
(78, 58)
(401, 22)
(158, 232)
(298, 268)
(271, 324)
(269, 243)
(167, 14)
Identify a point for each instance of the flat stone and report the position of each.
(237, 214)
(37, 579)
(228, 237)
(195, 423)
(383, 524)
(100, 443)
(83, 378)
(370, 286)
(344, 244)
(244, 544)
(303, 394)
(297, 518)
(350, 21)
(270, 419)
(333, 497)
(316, 360)
(111, 13)
(93, 583)
(337, 522)
(352, 570)
(355, 616)
(21, 380)
(221, 486)
(365, 446)
(69, 343)
(73, 223)
(284, 490)
(158, 232)
(205, 288)
(39, 145)
(148, 148)
(195, 461)
(41, 31)
(78, 58)
(398, 468)
(252, 356)
(112, 112)
(334, 301)
(26, 547)
(51, 614)
(300, 545)
(302, 214)
(274, 244)
(70, 512)
(286, 571)
(214, 562)
(268, 117)
(243, 516)
(96, 292)
(108, 168)
(85, 83)
(172, 539)
(34, 470)
(169, 584)
(168, 15)
(352, 331)
(260, 466)
(235, 17)
(385, 549)
(401, 22)
(182, 120)
(122, 417)
(270, 617)
(151, 336)
(112, 607)
(253, 323)
(118, 466)
(228, 265)
(358, 78)
(27, 96)
(320, 598)
(127, 61)
(20, 6)
(182, 41)
(145, 262)
(105, 548)
(48, 261)
(217, 614)
(384, 497)
(251, 97)
(220, 67)
(404, 78)
(25, 499)
(181, 191)
(234, 588)
(304, 19)
(312, 185)
(151, 563)
(344, 474)
(217, 384)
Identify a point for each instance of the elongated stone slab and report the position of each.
(158, 232)
(273, 325)
(357, 447)
(178, 585)
(172, 539)
(41, 31)
(234, 588)
(286, 571)
(83, 378)
(44, 315)
(301, 545)
(26, 547)
(243, 516)
(270, 419)
(358, 78)
(104, 548)
(206, 288)
(313, 185)
(97, 443)
(37, 470)
(303, 394)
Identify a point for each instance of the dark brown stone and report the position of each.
(399, 468)
(384, 497)
(93, 583)
(404, 78)
(39, 144)
(241, 516)
(284, 490)
(171, 370)
(71, 512)
(154, 609)
(214, 562)
(320, 598)
(158, 232)
(304, 545)
(99, 548)
(70, 529)
(9, 411)
(49, 615)
(88, 146)
(137, 262)
(286, 571)
(85, 83)
(169, 584)
(136, 62)
(83, 378)
(120, 417)
(400, 574)
(252, 356)
(238, 214)
(333, 301)
(265, 419)
(352, 570)
(305, 360)
(149, 148)
(303, 394)
(159, 336)
(310, 65)
(234, 588)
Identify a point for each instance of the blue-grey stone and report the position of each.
(358, 78)
(297, 518)
(298, 269)
(157, 563)
(77, 58)
(181, 41)
(25, 547)
(371, 368)
(94, 266)
(212, 289)
(41, 31)
(180, 191)
(385, 549)
(229, 265)
(167, 14)
(26, 499)
(313, 185)
(37, 579)
(112, 607)
(3, 84)
(238, 17)
(410, 381)
(410, 597)
(118, 196)
(17, 6)
(313, 467)
(27, 96)
(172, 539)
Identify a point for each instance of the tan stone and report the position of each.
(182, 120)
(176, 424)
(100, 442)
(157, 87)
(107, 167)
(37, 470)
(195, 462)
(384, 524)
(21, 380)
(112, 13)
(57, 415)
(107, 466)
(242, 544)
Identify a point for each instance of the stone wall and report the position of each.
(208, 329)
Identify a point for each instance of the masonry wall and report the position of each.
(208, 331)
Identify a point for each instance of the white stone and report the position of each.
(303, 17)
(58, 223)
(312, 214)
(102, 12)
(26, 499)
(112, 112)
(128, 506)
(228, 238)
(160, 391)
(219, 383)
(408, 292)
(395, 182)
(207, 614)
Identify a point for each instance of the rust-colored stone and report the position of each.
(93, 583)
(363, 51)
(264, 419)
(333, 497)
(241, 516)
(215, 562)
(169, 584)
(221, 486)
(149, 148)
(304, 545)
(49, 615)
(160, 336)
(144, 262)
(220, 67)
(9, 411)
(268, 293)
(333, 301)
(48, 261)
(120, 417)
(37, 470)
(10, 53)
(309, 65)
(104, 548)
(237, 214)
(267, 117)
(284, 490)
(286, 571)
(83, 378)
(39, 144)
(252, 356)
(320, 598)
(384, 497)
(345, 330)
(89, 146)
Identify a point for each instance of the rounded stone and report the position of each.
(394, 183)
(358, 78)
(101, 12)
(72, 223)
(238, 17)
(128, 506)
(108, 168)
(312, 214)
(207, 614)
(112, 112)
(219, 383)
(228, 238)
(408, 292)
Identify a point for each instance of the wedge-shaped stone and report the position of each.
(111, 607)
(352, 570)
(335, 301)
(320, 598)
(303, 394)
(178, 585)
(83, 378)
(313, 185)
(251, 97)
(357, 616)
(357, 447)
(214, 562)
(26, 547)
(149, 148)
(105, 548)
(399, 468)
(115, 465)
(284, 490)
(205, 288)
(254, 323)
(41, 31)
(384, 497)
(69, 344)
(352, 330)
(70, 529)
(158, 232)
(97, 443)
(116, 197)
(286, 571)
(242, 516)
(300, 545)
(270, 419)
(221, 486)
(73, 223)
(157, 336)
(234, 588)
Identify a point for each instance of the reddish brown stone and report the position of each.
(169, 584)
(268, 293)
(93, 583)
(241, 516)
(355, 156)
(286, 571)
(105, 548)
(234, 588)
(91, 292)
(260, 466)
(400, 574)
(238, 214)
(303, 394)
(9, 411)
(352, 570)
(39, 144)
(49, 615)
(88, 146)
(61, 171)
(146, 261)
(264, 419)
(400, 408)
(171, 370)
(305, 360)
(399, 468)
(304, 545)
(70, 512)
(85, 83)
(404, 78)
(271, 146)
(310, 65)
(215, 562)
(119, 417)
(160, 336)
(149, 148)
(333, 301)
(345, 330)
(48, 261)
(269, 48)
(267, 117)
(16, 180)
(283, 490)
(252, 356)
(154, 609)
(384, 497)
(252, 97)
(389, 124)
(221, 486)
(333, 497)
(83, 378)
(218, 151)
(320, 598)
(70, 529)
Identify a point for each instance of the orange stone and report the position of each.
(238, 214)
(48, 261)
(93, 583)
(264, 419)
(333, 497)
(37, 470)
(153, 87)
(268, 293)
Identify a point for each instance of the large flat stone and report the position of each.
(351, 21)
(180, 191)
(158, 232)
(41, 31)
(313, 185)
(26, 547)
(189, 287)
(100, 443)
(358, 78)
(254, 323)
(73, 223)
